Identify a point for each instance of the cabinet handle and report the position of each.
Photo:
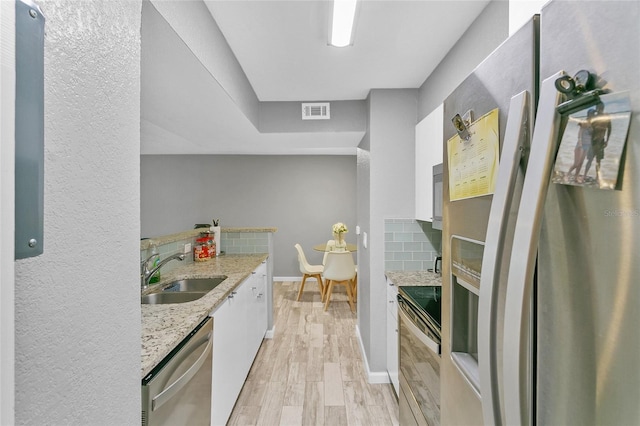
(253, 272)
(391, 301)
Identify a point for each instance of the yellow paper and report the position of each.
(473, 164)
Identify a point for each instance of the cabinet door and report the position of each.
(392, 350)
(244, 325)
(392, 335)
(226, 384)
(262, 300)
(429, 148)
(239, 327)
(258, 311)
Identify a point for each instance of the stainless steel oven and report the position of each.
(178, 390)
(419, 327)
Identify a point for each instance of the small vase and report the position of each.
(340, 244)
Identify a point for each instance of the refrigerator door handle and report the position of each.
(518, 395)
(512, 148)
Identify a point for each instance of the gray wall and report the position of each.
(377, 177)
(302, 196)
(389, 172)
(486, 33)
(77, 311)
(193, 22)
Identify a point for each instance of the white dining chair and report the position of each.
(331, 244)
(339, 269)
(314, 271)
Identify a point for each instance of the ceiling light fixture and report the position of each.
(344, 13)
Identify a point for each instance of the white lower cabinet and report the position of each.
(239, 325)
(226, 376)
(392, 335)
(258, 309)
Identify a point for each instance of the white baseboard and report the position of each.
(288, 278)
(373, 377)
(269, 334)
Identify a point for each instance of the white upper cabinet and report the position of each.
(429, 134)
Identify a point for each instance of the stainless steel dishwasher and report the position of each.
(419, 324)
(178, 390)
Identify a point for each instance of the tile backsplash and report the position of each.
(231, 243)
(410, 245)
(244, 242)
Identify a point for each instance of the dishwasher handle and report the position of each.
(175, 387)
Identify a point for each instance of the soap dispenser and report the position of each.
(155, 256)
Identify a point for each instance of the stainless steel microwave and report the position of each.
(437, 196)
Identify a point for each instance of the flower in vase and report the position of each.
(340, 228)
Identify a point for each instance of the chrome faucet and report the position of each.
(146, 274)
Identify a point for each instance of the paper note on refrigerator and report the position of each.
(473, 163)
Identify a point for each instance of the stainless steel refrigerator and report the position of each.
(541, 280)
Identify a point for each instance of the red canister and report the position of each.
(201, 250)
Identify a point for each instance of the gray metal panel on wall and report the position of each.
(509, 70)
(29, 144)
(588, 269)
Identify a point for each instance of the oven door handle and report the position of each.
(175, 387)
(431, 344)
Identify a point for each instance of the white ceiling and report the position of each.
(282, 45)
(282, 48)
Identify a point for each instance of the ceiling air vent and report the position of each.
(316, 111)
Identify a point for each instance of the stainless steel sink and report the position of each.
(194, 284)
(169, 297)
(182, 291)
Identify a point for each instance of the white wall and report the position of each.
(7, 217)
(77, 312)
(521, 11)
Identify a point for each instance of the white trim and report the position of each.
(299, 278)
(372, 377)
(270, 333)
(7, 214)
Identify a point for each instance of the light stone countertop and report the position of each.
(164, 326)
(414, 278)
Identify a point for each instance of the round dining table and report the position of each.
(323, 247)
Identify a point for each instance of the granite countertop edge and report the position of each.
(414, 278)
(164, 326)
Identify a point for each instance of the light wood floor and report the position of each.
(311, 372)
